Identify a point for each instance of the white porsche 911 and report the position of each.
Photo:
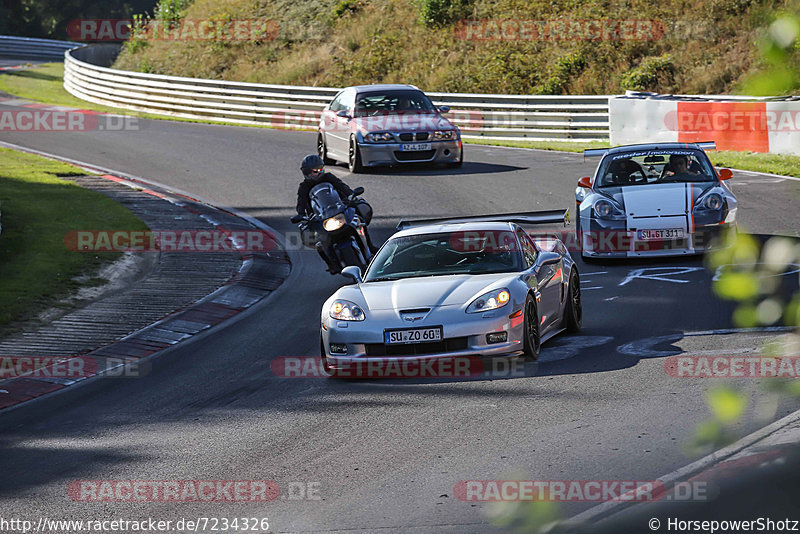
(444, 288)
(662, 199)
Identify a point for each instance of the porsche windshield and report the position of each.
(446, 253)
(655, 167)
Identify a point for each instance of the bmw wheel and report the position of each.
(354, 161)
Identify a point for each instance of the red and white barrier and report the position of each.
(765, 126)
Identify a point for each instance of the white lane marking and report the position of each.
(718, 272)
(670, 271)
(593, 287)
(609, 299)
(757, 173)
(642, 348)
(596, 272)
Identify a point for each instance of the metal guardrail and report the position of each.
(494, 117)
(27, 47)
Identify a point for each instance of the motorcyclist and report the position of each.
(313, 169)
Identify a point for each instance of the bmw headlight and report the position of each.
(334, 223)
(605, 209)
(344, 310)
(445, 135)
(490, 301)
(380, 137)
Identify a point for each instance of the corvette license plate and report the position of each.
(412, 335)
(662, 233)
(412, 147)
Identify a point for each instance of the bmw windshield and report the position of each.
(655, 167)
(370, 104)
(445, 254)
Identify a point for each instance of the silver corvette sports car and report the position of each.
(443, 288)
(662, 199)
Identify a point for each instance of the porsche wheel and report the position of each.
(322, 150)
(532, 342)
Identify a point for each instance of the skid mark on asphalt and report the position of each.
(741, 341)
(794, 266)
(661, 274)
(569, 347)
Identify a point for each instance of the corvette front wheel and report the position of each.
(532, 341)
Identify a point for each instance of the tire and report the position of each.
(573, 313)
(532, 341)
(460, 162)
(322, 150)
(354, 162)
(326, 366)
(352, 256)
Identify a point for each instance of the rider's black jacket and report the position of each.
(303, 203)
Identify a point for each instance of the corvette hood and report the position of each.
(657, 199)
(427, 292)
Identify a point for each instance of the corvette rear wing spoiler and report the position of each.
(525, 217)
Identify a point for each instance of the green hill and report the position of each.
(562, 46)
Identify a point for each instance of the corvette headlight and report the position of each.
(380, 137)
(334, 223)
(711, 202)
(445, 135)
(490, 301)
(344, 310)
(605, 209)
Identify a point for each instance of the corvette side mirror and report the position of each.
(343, 114)
(444, 109)
(586, 182)
(725, 174)
(353, 272)
(549, 258)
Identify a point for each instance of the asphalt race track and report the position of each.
(383, 455)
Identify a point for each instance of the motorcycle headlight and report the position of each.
(445, 135)
(344, 310)
(334, 223)
(712, 201)
(490, 301)
(380, 137)
(607, 210)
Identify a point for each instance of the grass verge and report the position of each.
(44, 83)
(38, 209)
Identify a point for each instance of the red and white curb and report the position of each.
(259, 275)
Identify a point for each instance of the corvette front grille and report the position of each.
(417, 349)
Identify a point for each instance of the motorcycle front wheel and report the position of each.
(351, 255)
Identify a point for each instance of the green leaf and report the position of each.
(726, 404)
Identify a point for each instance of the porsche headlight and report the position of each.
(334, 223)
(712, 201)
(605, 209)
(490, 301)
(380, 137)
(445, 135)
(344, 310)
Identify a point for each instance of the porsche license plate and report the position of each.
(662, 233)
(413, 335)
(413, 147)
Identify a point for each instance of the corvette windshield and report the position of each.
(655, 167)
(445, 253)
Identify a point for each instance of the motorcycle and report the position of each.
(342, 223)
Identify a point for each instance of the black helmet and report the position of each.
(312, 161)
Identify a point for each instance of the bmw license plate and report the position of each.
(662, 233)
(412, 147)
(412, 335)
